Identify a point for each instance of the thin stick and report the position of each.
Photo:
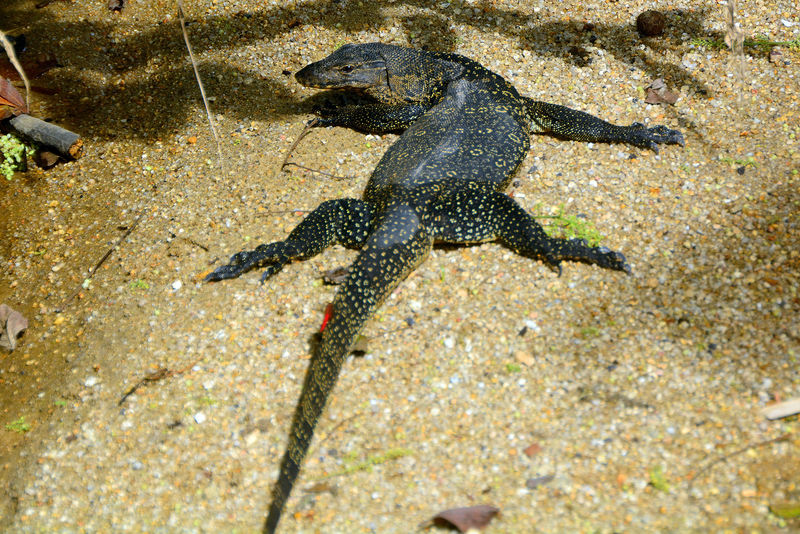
(200, 84)
(155, 376)
(100, 262)
(13, 57)
(737, 452)
(310, 124)
(317, 171)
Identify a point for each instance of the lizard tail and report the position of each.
(396, 247)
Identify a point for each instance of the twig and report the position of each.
(195, 243)
(12, 56)
(101, 261)
(335, 177)
(200, 84)
(310, 124)
(737, 452)
(155, 376)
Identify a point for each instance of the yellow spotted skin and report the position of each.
(466, 133)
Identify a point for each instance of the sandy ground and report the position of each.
(637, 398)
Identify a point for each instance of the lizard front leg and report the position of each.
(347, 221)
(376, 118)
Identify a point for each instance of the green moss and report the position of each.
(12, 153)
(19, 426)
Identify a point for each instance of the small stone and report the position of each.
(91, 381)
(776, 56)
(199, 418)
(176, 285)
(524, 358)
(532, 483)
(651, 23)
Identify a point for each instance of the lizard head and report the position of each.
(353, 66)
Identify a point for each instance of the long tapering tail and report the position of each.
(396, 247)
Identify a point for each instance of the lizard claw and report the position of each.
(651, 137)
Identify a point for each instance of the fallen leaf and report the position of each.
(45, 159)
(464, 519)
(11, 102)
(657, 93)
(12, 323)
(532, 450)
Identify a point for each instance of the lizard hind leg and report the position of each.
(476, 213)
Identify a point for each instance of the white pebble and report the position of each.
(199, 418)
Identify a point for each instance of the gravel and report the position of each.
(641, 394)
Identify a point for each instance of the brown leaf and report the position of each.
(657, 93)
(12, 323)
(466, 518)
(532, 450)
(9, 96)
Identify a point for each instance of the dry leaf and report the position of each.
(12, 323)
(657, 93)
(11, 102)
(464, 519)
(532, 450)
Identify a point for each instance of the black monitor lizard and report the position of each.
(442, 180)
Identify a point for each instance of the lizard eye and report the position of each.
(348, 68)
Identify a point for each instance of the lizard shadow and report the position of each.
(104, 68)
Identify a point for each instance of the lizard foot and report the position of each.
(579, 250)
(242, 262)
(642, 136)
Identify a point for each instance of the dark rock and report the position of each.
(651, 23)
